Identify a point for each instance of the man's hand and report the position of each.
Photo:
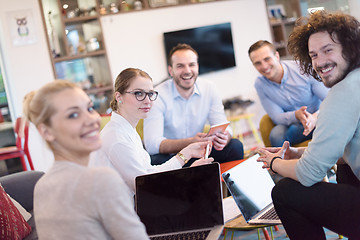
(286, 152)
(221, 140)
(202, 137)
(307, 119)
(267, 156)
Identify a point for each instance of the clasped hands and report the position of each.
(307, 119)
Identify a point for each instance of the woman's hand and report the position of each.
(196, 150)
(202, 161)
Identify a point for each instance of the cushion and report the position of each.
(26, 215)
(12, 223)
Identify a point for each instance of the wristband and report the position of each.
(271, 163)
(180, 155)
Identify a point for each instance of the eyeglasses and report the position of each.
(141, 95)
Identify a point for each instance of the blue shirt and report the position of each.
(174, 117)
(281, 101)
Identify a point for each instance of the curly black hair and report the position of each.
(343, 27)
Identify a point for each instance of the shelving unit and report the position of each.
(282, 26)
(77, 49)
(121, 6)
(75, 40)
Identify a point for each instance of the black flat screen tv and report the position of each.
(213, 43)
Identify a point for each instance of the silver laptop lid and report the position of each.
(250, 185)
(180, 200)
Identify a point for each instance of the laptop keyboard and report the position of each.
(200, 235)
(270, 214)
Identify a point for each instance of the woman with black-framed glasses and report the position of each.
(122, 147)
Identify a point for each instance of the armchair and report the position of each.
(266, 124)
(20, 186)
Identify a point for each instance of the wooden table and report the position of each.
(234, 221)
(239, 224)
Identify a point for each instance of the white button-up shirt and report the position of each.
(173, 117)
(123, 151)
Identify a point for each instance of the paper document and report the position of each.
(231, 210)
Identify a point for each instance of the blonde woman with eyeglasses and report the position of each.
(122, 147)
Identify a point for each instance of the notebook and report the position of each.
(181, 201)
(251, 185)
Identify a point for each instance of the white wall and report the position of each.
(136, 40)
(26, 68)
(354, 7)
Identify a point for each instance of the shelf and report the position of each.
(161, 4)
(289, 21)
(80, 56)
(281, 28)
(279, 22)
(98, 89)
(278, 45)
(80, 19)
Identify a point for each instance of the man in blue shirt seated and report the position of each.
(290, 98)
(185, 104)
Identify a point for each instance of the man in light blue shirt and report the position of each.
(185, 104)
(290, 98)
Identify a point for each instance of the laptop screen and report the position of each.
(180, 200)
(250, 185)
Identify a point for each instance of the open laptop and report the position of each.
(181, 201)
(251, 185)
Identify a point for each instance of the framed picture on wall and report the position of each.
(161, 3)
(22, 27)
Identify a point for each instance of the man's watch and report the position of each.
(182, 157)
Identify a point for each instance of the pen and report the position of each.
(207, 151)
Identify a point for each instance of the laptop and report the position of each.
(181, 202)
(251, 185)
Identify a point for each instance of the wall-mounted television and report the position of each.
(213, 43)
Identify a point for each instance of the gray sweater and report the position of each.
(337, 132)
(75, 202)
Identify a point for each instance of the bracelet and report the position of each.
(180, 155)
(271, 163)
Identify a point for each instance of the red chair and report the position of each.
(21, 149)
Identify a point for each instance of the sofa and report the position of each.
(20, 186)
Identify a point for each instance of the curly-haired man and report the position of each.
(327, 47)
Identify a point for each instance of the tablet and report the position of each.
(218, 128)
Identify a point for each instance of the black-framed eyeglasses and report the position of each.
(141, 95)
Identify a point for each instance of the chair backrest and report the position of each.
(18, 132)
(140, 129)
(266, 125)
(20, 186)
(105, 118)
(22, 138)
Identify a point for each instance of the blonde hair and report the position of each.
(37, 105)
(123, 81)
